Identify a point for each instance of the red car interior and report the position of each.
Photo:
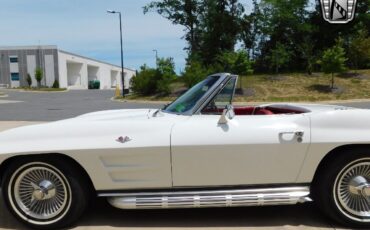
(256, 110)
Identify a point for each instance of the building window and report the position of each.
(13, 59)
(14, 76)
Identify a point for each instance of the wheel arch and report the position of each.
(330, 156)
(64, 157)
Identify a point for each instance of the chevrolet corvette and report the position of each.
(199, 151)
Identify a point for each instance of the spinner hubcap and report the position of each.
(352, 191)
(40, 193)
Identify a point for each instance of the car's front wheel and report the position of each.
(44, 193)
(343, 188)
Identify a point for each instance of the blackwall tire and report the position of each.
(44, 193)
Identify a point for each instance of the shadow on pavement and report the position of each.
(102, 215)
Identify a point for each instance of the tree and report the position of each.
(38, 76)
(359, 50)
(29, 80)
(250, 32)
(306, 49)
(211, 27)
(220, 28)
(282, 24)
(333, 60)
(181, 12)
(235, 62)
(280, 56)
(165, 75)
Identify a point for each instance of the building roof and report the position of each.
(92, 59)
(28, 47)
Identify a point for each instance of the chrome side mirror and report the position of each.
(227, 114)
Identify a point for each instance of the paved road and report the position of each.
(103, 216)
(31, 106)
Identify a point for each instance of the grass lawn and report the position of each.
(302, 87)
(291, 87)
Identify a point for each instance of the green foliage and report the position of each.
(38, 75)
(211, 27)
(359, 50)
(333, 60)
(55, 84)
(150, 81)
(279, 57)
(277, 35)
(181, 12)
(194, 73)
(235, 62)
(29, 80)
(307, 52)
(220, 28)
(165, 75)
(144, 82)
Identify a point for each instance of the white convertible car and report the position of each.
(199, 151)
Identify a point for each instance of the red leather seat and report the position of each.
(263, 112)
(244, 110)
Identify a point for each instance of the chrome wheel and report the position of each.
(352, 190)
(39, 193)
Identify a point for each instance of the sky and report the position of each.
(83, 27)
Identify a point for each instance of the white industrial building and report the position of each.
(71, 70)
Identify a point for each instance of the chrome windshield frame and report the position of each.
(216, 91)
(204, 100)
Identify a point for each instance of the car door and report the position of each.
(247, 150)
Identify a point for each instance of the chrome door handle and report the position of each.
(296, 133)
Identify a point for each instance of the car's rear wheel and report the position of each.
(343, 188)
(44, 193)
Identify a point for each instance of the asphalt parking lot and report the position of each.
(32, 106)
(36, 106)
(21, 108)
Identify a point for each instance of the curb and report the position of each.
(139, 101)
(36, 91)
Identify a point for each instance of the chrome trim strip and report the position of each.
(210, 198)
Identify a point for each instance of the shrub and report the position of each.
(56, 84)
(38, 76)
(144, 81)
(149, 81)
(29, 80)
(333, 60)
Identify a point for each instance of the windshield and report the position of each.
(188, 100)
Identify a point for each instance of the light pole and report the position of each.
(120, 29)
(156, 57)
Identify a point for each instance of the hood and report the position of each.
(118, 114)
(92, 130)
